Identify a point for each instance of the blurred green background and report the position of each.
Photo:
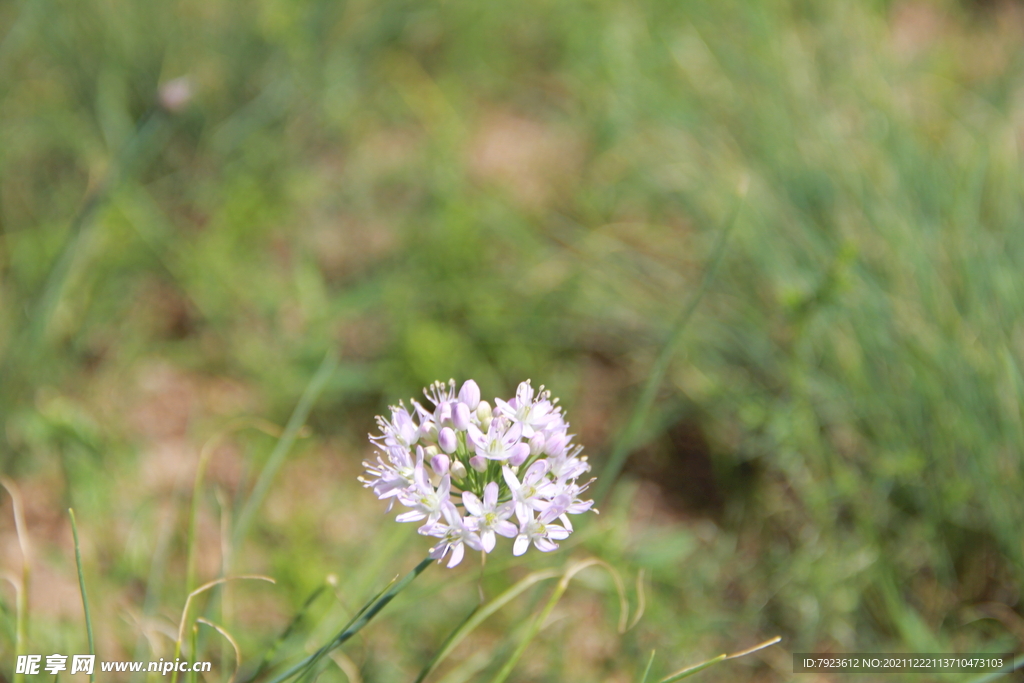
(502, 191)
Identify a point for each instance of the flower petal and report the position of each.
(458, 550)
(472, 503)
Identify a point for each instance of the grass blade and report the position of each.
(368, 612)
(284, 445)
(228, 637)
(478, 615)
(556, 595)
(188, 604)
(647, 669)
(265, 661)
(691, 670)
(204, 459)
(81, 587)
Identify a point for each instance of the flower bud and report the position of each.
(447, 441)
(443, 413)
(537, 444)
(519, 453)
(431, 451)
(458, 470)
(556, 444)
(428, 431)
(478, 463)
(483, 413)
(470, 394)
(439, 463)
(461, 416)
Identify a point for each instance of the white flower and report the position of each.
(540, 532)
(388, 479)
(533, 416)
(488, 517)
(426, 502)
(567, 466)
(454, 535)
(532, 492)
(501, 441)
(401, 430)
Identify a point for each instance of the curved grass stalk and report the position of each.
(478, 615)
(347, 666)
(81, 587)
(205, 454)
(21, 587)
(691, 670)
(188, 604)
(571, 571)
(641, 599)
(234, 644)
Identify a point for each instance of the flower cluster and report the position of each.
(467, 469)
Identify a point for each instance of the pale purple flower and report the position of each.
(443, 397)
(487, 517)
(532, 492)
(388, 479)
(534, 416)
(424, 501)
(454, 535)
(428, 459)
(499, 441)
(540, 532)
(400, 430)
(567, 466)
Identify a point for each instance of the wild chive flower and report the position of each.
(457, 469)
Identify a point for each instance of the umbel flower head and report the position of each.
(472, 472)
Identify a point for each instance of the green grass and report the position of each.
(504, 191)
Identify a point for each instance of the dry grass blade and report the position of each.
(205, 454)
(347, 666)
(691, 670)
(234, 644)
(202, 589)
(641, 599)
(21, 588)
